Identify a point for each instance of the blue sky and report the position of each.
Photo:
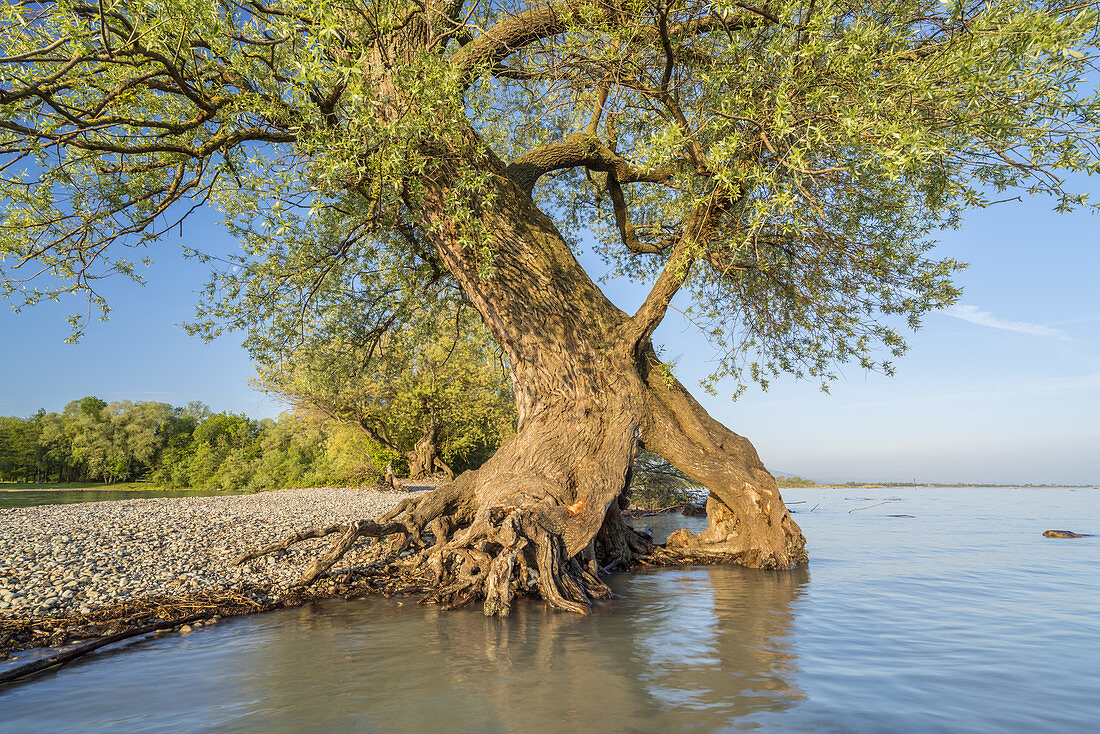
(1004, 387)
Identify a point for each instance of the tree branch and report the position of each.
(540, 23)
(697, 230)
(581, 149)
(626, 228)
(511, 35)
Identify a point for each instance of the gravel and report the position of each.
(56, 559)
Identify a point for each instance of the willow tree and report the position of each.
(432, 391)
(779, 166)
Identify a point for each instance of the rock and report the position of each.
(1064, 534)
(185, 629)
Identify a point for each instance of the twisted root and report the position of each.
(442, 548)
(349, 535)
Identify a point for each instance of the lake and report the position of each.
(33, 497)
(960, 618)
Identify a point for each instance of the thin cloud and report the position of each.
(975, 315)
(1000, 391)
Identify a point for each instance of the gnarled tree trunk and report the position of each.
(543, 513)
(425, 459)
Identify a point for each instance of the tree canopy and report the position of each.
(785, 163)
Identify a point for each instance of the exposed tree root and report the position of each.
(349, 534)
(544, 515)
(493, 556)
(293, 539)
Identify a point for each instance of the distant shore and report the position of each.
(808, 484)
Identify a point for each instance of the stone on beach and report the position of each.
(57, 559)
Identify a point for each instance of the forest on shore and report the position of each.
(432, 397)
(191, 446)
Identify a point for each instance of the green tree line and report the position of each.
(95, 441)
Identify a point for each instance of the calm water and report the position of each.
(962, 618)
(30, 497)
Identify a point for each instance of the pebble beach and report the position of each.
(58, 559)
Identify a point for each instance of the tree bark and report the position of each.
(586, 394)
(421, 459)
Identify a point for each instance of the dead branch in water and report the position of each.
(857, 509)
(66, 656)
(685, 508)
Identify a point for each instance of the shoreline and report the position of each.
(88, 571)
(104, 488)
(414, 485)
(62, 635)
(81, 573)
(102, 564)
(409, 485)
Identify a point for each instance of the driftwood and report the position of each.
(684, 508)
(66, 656)
(857, 509)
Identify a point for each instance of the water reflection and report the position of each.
(678, 649)
(719, 642)
(34, 498)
